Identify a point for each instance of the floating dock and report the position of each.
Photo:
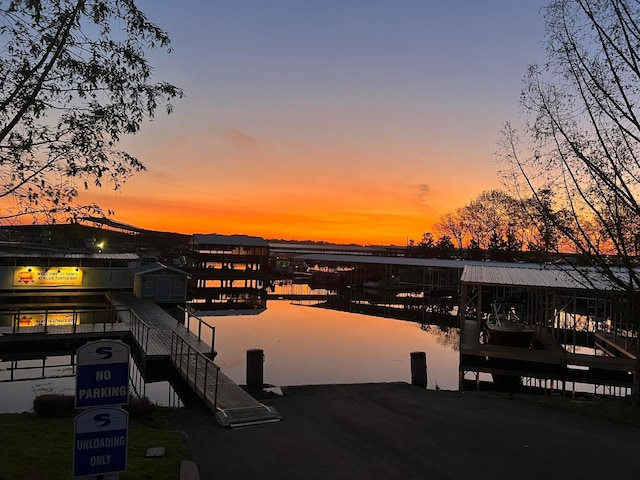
(158, 336)
(548, 362)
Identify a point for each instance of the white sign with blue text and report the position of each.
(102, 377)
(100, 442)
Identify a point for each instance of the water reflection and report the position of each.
(314, 343)
(24, 379)
(307, 345)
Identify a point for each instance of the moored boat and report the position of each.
(507, 325)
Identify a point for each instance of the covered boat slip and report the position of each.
(567, 315)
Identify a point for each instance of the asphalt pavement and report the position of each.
(398, 431)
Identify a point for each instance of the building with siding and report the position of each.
(160, 283)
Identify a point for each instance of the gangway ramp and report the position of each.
(159, 335)
(232, 405)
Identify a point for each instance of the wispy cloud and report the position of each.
(422, 193)
(241, 140)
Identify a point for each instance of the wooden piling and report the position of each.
(419, 369)
(255, 371)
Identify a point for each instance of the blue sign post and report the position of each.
(100, 432)
(100, 442)
(103, 374)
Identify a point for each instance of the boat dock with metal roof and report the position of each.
(570, 307)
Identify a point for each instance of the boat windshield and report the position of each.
(508, 312)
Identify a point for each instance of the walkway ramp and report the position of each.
(232, 405)
(152, 327)
(161, 335)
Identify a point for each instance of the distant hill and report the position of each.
(78, 236)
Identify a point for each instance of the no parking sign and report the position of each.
(103, 374)
(100, 432)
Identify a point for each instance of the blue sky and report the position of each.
(338, 103)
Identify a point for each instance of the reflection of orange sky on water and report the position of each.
(305, 345)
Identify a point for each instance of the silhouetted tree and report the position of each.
(451, 224)
(73, 81)
(444, 248)
(583, 137)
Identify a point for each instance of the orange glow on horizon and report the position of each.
(381, 216)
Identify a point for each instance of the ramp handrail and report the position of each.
(140, 330)
(201, 322)
(197, 369)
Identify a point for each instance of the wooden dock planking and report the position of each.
(161, 326)
(229, 394)
(233, 406)
(227, 399)
(549, 362)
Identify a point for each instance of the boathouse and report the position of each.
(227, 272)
(582, 333)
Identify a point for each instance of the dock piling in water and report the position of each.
(419, 369)
(255, 371)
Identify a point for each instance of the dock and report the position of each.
(157, 336)
(549, 362)
(160, 335)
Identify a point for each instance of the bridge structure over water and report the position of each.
(157, 336)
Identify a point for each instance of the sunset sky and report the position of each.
(352, 121)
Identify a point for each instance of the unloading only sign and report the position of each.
(100, 432)
(103, 374)
(100, 442)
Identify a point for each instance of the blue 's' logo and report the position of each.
(102, 419)
(105, 352)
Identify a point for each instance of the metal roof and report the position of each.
(406, 261)
(491, 273)
(155, 267)
(227, 240)
(45, 254)
(548, 276)
(303, 248)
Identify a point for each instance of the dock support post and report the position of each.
(255, 371)
(419, 369)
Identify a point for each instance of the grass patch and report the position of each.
(41, 448)
(614, 410)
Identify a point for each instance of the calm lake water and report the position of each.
(303, 345)
(306, 345)
(23, 380)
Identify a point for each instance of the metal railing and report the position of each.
(140, 331)
(197, 369)
(189, 315)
